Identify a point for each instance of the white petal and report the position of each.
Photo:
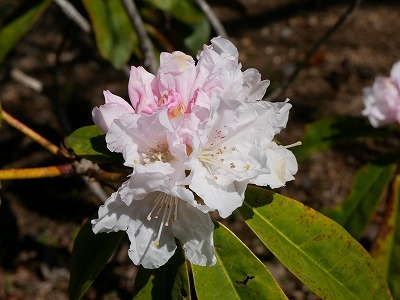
(195, 230)
(223, 198)
(134, 135)
(114, 215)
(143, 234)
(282, 164)
(141, 89)
(221, 45)
(114, 107)
(253, 88)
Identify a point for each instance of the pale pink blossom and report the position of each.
(180, 85)
(382, 100)
(195, 135)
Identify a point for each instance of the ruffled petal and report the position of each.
(253, 88)
(145, 248)
(135, 136)
(282, 165)
(142, 89)
(225, 199)
(224, 46)
(176, 73)
(195, 230)
(115, 107)
(114, 215)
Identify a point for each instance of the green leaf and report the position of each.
(89, 255)
(89, 142)
(115, 36)
(313, 247)
(170, 281)
(185, 11)
(11, 34)
(238, 273)
(386, 250)
(370, 183)
(200, 36)
(325, 133)
(190, 14)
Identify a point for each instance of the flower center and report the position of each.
(154, 156)
(166, 207)
(174, 102)
(218, 161)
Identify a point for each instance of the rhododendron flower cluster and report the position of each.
(382, 100)
(195, 135)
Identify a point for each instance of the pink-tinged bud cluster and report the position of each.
(195, 135)
(382, 100)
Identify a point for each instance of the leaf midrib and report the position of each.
(299, 249)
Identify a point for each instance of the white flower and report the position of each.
(191, 129)
(382, 100)
(152, 223)
(234, 147)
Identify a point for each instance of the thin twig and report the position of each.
(215, 23)
(344, 16)
(96, 188)
(42, 172)
(27, 80)
(61, 170)
(73, 14)
(34, 136)
(146, 44)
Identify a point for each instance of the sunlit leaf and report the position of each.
(11, 33)
(89, 255)
(170, 281)
(324, 133)
(369, 185)
(386, 250)
(313, 247)
(114, 33)
(238, 274)
(190, 14)
(89, 142)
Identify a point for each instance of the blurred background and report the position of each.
(53, 72)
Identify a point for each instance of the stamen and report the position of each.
(157, 242)
(165, 205)
(156, 202)
(299, 143)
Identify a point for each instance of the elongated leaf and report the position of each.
(200, 36)
(386, 250)
(184, 11)
(370, 183)
(190, 14)
(238, 274)
(15, 30)
(89, 142)
(89, 255)
(114, 33)
(324, 133)
(313, 247)
(170, 281)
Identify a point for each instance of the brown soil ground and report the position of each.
(39, 218)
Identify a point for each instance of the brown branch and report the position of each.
(34, 135)
(215, 22)
(60, 170)
(344, 16)
(31, 173)
(145, 42)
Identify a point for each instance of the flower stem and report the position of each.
(34, 135)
